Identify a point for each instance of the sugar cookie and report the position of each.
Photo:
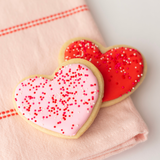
(64, 104)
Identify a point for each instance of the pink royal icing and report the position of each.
(62, 104)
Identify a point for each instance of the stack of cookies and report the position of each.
(89, 77)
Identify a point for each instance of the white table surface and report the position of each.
(136, 23)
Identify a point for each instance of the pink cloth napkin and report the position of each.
(31, 35)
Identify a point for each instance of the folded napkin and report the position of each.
(31, 35)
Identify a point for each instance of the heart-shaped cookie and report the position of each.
(123, 67)
(64, 104)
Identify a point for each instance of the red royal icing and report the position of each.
(121, 67)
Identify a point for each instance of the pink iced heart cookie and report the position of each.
(123, 67)
(64, 104)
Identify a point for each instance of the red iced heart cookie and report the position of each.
(64, 104)
(123, 67)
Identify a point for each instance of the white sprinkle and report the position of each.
(90, 59)
(140, 63)
(87, 111)
(135, 66)
(132, 87)
(138, 75)
(141, 74)
(135, 80)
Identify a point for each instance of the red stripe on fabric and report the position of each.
(8, 113)
(43, 20)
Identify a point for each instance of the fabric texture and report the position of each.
(31, 35)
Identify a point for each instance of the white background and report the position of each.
(136, 23)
